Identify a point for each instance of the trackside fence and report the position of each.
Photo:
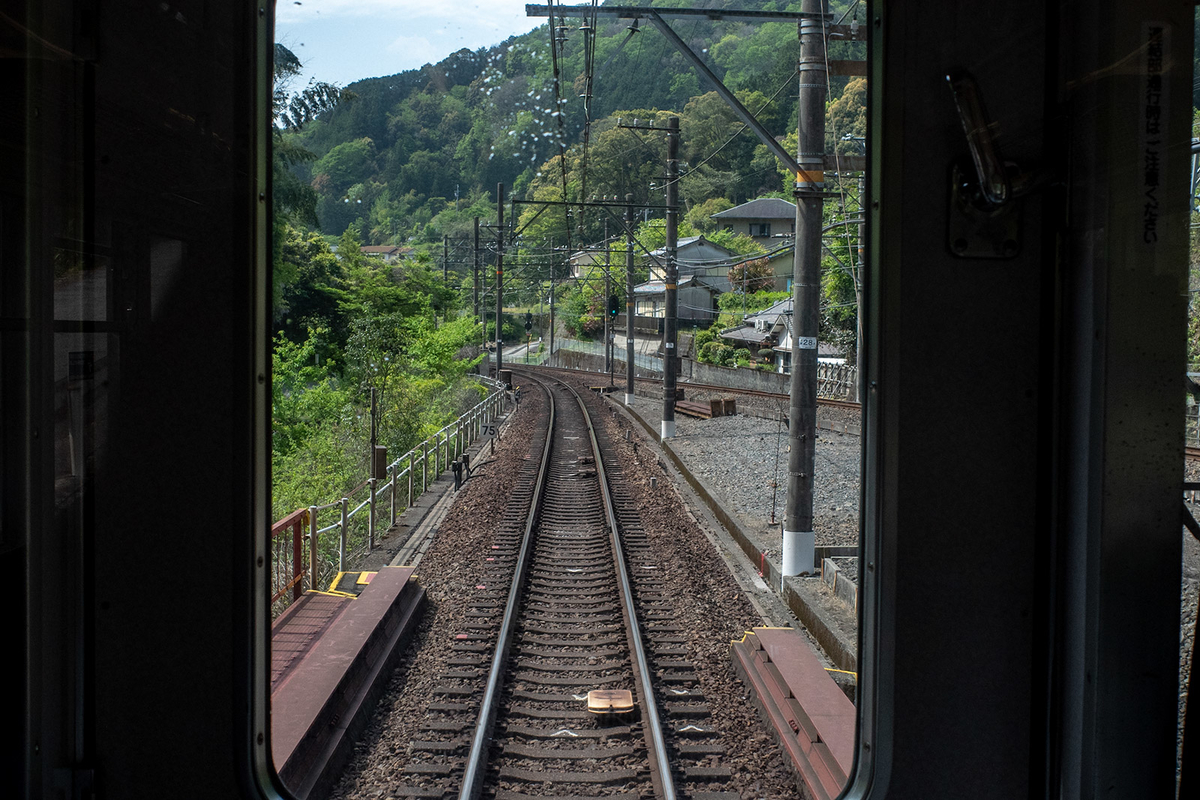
(1191, 436)
(355, 519)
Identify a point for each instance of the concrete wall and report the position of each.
(695, 372)
(741, 378)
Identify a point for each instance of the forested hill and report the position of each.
(391, 161)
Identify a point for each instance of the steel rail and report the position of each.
(476, 761)
(650, 716)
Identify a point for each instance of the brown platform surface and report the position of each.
(299, 628)
(327, 655)
(809, 714)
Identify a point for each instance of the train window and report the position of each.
(127, 178)
(270, 295)
(423, 159)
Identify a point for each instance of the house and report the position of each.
(696, 300)
(696, 256)
(390, 253)
(595, 255)
(760, 219)
(772, 328)
(782, 262)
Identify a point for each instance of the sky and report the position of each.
(341, 41)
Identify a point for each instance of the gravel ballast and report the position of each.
(709, 604)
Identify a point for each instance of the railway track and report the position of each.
(570, 678)
(783, 397)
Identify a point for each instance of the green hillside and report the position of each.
(392, 161)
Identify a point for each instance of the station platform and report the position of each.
(331, 653)
(807, 712)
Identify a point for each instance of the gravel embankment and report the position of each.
(709, 603)
(743, 459)
(449, 571)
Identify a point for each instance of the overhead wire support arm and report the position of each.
(742, 112)
(646, 12)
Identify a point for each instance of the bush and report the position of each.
(702, 338)
(707, 352)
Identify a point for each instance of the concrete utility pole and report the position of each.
(629, 302)
(799, 540)
(608, 323)
(499, 276)
(551, 298)
(858, 299)
(475, 263)
(670, 323)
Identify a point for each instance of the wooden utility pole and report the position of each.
(499, 276)
(799, 539)
(629, 301)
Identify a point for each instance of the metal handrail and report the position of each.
(450, 436)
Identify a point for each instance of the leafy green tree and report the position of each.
(343, 166)
(700, 216)
(847, 117)
(308, 281)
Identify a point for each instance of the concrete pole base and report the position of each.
(799, 553)
(628, 399)
(668, 429)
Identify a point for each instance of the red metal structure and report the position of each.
(288, 565)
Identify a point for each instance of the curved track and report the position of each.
(559, 616)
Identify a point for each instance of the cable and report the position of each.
(558, 113)
(740, 130)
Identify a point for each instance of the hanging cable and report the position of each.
(555, 42)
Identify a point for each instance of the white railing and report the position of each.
(408, 477)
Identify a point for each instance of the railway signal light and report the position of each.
(613, 305)
(528, 321)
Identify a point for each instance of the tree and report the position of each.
(847, 117)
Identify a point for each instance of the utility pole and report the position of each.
(799, 539)
(670, 323)
(858, 271)
(374, 429)
(552, 298)
(629, 302)
(445, 257)
(499, 276)
(608, 326)
(475, 263)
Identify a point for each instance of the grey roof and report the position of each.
(772, 313)
(660, 287)
(762, 208)
(688, 241)
(788, 248)
(746, 334)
